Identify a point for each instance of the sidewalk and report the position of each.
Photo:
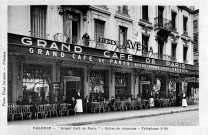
(84, 119)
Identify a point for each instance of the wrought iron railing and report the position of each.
(65, 38)
(163, 23)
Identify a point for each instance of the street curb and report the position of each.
(124, 118)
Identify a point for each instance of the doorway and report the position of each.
(144, 88)
(71, 85)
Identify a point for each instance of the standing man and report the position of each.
(79, 108)
(86, 39)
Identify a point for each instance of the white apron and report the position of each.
(184, 102)
(78, 106)
(151, 102)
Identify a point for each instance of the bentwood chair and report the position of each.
(64, 109)
(26, 110)
(18, 111)
(40, 110)
(54, 109)
(71, 109)
(124, 105)
(47, 110)
(132, 105)
(11, 112)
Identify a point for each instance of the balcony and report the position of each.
(161, 56)
(163, 23)
(66, 39)
(39, 35)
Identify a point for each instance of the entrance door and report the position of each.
(145, 91)
(72, 84)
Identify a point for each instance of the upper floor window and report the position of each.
(71, 27)
(160, 11)
(185, 20)
(195, 25)
(38, 21)
(145, 13)
(122, 36)
(185, 50)
(173, 53)
(145, 40)
(123, 10)
(173, 16)
(99, 29)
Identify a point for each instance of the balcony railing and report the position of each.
(161, 56)
(39, 35)
(65, 38)
(163, 23)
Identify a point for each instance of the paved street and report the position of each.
(190, 118)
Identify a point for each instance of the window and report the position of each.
(38, 21)
(195, 25)
(185, 49)
(71, 27)
(160, 16)
(160, 50)
(36, 81)
(123, 10)
(173, 21)
(122, 37)
(98, 86)
(99, 29)
(145, 40)
(121, 85)
(145, 13)
(185, 20)
(174, 51)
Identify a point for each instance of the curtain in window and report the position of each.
(99, 29)
(38, 21)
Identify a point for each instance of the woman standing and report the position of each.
(184, 102)
(79, 108)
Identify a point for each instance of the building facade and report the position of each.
(121, 51)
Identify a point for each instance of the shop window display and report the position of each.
(121, 83)
(36, 81)
(98, 87)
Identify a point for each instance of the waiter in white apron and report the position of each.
(79, 108)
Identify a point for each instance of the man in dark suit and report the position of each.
(20, 101)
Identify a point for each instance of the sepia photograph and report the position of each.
(99, 68)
